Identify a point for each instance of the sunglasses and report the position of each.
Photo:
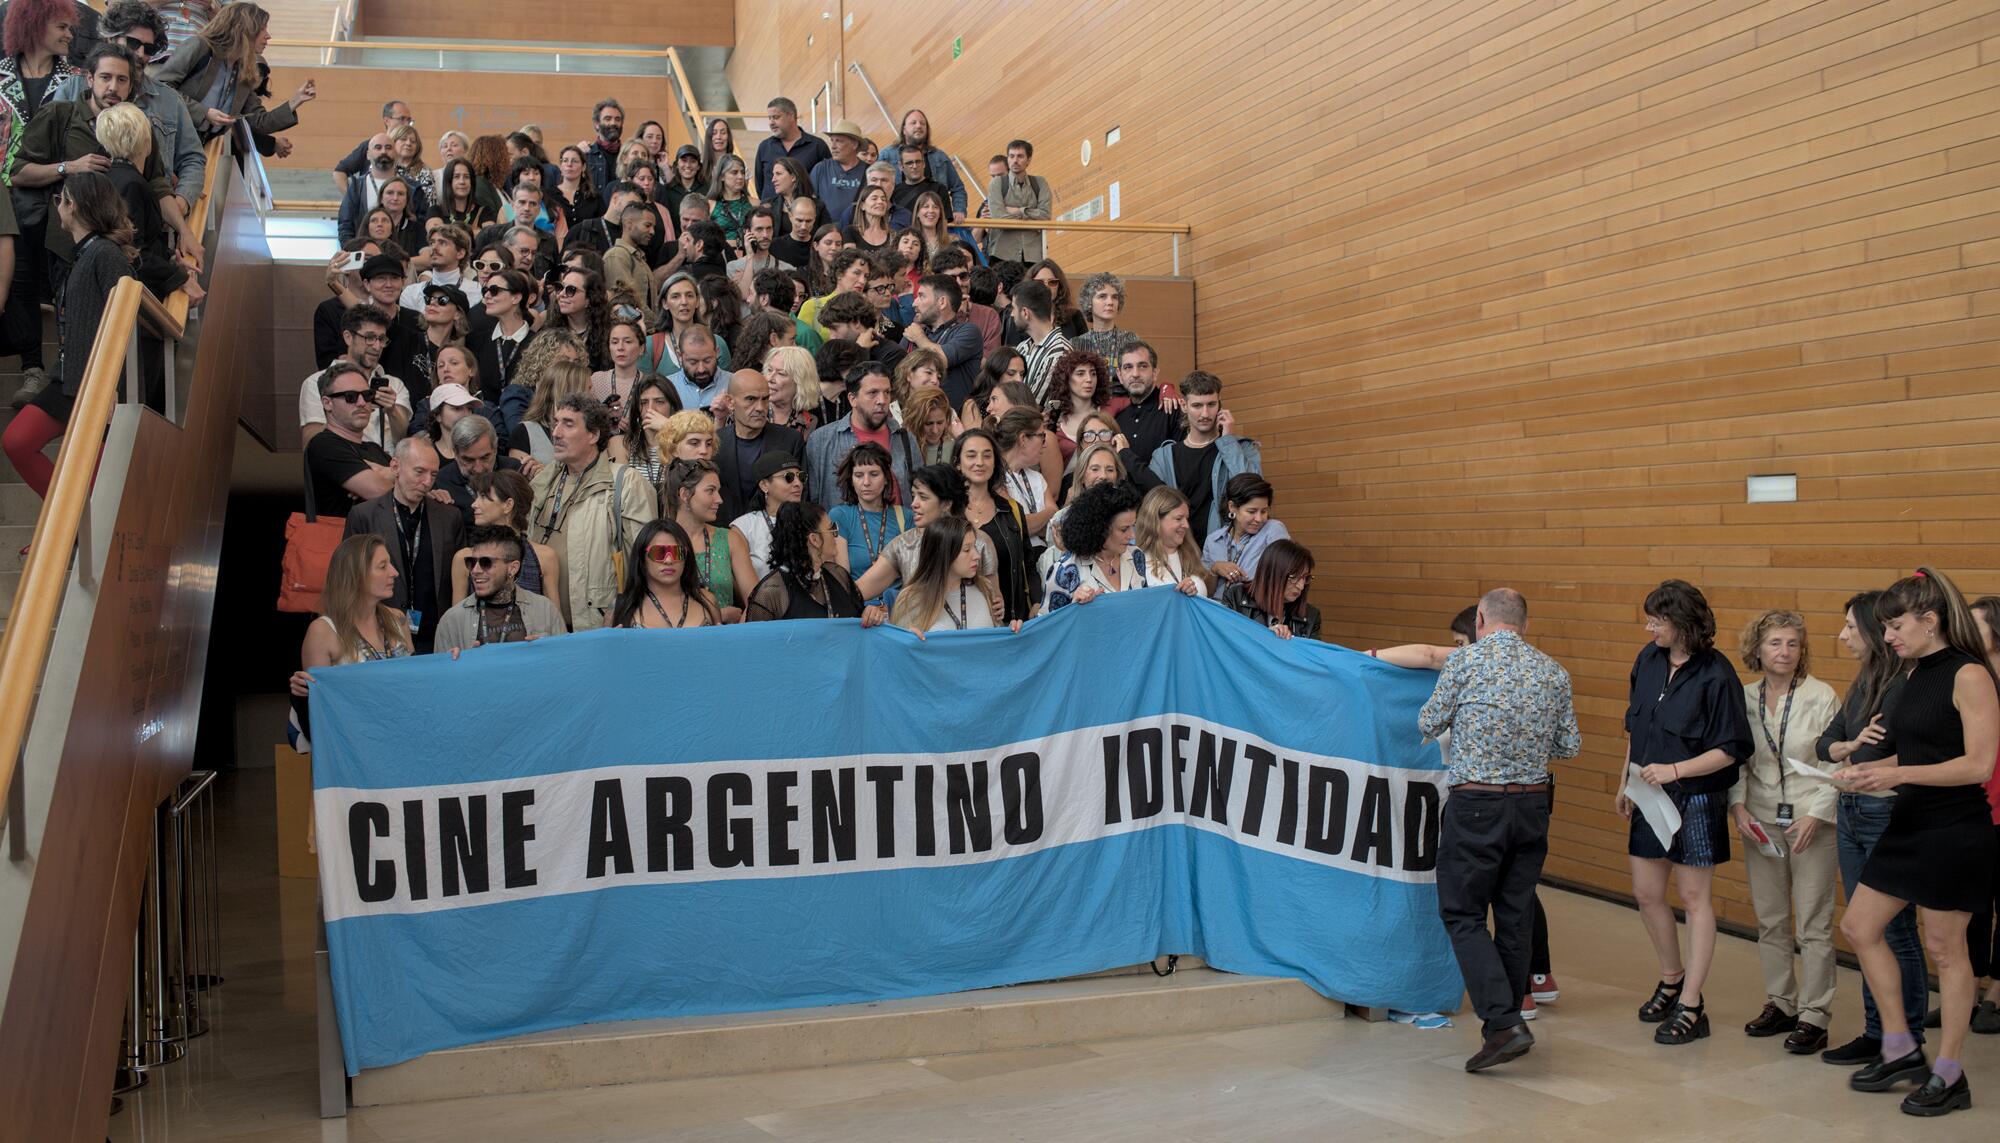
(139, 47)
(482, 563)
(489, 267)
(664, 553)
(351, 396)
(569, 291)
(493, 291)
(789, 476)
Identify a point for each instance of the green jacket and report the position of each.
(58, 133)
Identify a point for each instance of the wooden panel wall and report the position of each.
(1521, 291)
(349, 107)
(660, 22)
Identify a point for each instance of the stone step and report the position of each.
(12, 538)
(18, 503)
(1103, 1007)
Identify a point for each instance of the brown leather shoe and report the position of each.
(1501, 1046)
(1772, 1021)
(1805, 1039)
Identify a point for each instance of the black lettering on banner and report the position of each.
(1326, 808)
(367, 820)
(1212, 778)
(462, 844)
(416, 866)
(779, 814)
(1112, 799)
(1261, 762)
(1180, 735)
(926, 812)
(884, 779)
(1420, 828)
(731, 841)
(967, 808)
(669, 841)
(1374, 827)
(833, 815)
(1021, 793)
(1145, 757)
(610, 835)
(515, 834)
(1288, 810)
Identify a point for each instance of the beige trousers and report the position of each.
(1800, 885)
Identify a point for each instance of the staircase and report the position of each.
(18, 503)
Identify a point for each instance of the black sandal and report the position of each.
(1687, 1026)
(1665, 998)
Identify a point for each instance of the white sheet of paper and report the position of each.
(1652, 801)
(1805, 770)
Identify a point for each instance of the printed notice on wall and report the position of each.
(1115, 206)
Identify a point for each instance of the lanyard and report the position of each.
(704, 561)
(1778, 745)
(411, 548)
(511, 611)
(960, 617)
(663, 611)
(1025, 484)
(556, 494)
(881, 533)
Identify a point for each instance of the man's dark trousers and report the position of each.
(1490, 851)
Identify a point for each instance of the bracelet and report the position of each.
(1372, 654)
(1677, 771)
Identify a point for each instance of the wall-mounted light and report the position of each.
(1778, 489)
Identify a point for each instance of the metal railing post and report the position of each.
(133, 385)
(1177, 255)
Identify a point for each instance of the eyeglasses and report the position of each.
(1090, 435)
(569, 291)
(351, 396)
(371, 338)
(482, 563)
(881, 288)
(664, 553)
(1298, 580)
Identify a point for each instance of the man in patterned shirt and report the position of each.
(1509, 712)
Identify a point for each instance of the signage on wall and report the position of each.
(957, 46)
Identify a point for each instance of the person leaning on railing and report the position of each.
(92, 216)
(215, 71)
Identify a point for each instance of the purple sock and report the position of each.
(1896, 1045)
(1947, 1070)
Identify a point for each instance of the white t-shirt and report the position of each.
(312, 412)
(413, 294)
(756, 528)
(975, 615)
(1030, 489)
(1158, 574)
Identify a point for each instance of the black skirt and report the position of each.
(1934, 861)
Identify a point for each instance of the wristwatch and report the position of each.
(62, 170)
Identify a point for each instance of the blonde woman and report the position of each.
(945, 593)
(530, 439)
(1165, 553)
(1094, 464)
(407, 148)
(127, 136)
(451, 145)
(356, 623)
(1795, 878)
(794, 381)
(926, 413)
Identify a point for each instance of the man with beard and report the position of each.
(937, 173)
(868, 387)
(939, 327)
(697, 381)
(499, 610)
(365, 193)
(395, 113)
(600, 155)
(1202, 462)
(366, 330)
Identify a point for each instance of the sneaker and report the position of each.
(33, 381)
(1543, 988)
(1528, 1007)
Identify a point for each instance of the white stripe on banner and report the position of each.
(422, 849)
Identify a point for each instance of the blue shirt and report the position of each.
(1244, 553)
(867, 533)
(698, 398)
(837, 188)
(1509, 710)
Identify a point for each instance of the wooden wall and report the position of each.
(1521, 291)
(349, 107)
(659, 22)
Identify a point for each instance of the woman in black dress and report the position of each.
(1690, 732)
(1937, 852)
(806, 580)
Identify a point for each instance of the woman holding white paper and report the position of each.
(1689, 734)
(1790, 858)
(1937, 853)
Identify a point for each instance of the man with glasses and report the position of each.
(499, 610)
(395, 113)
(343, 467)
(136, 27)
(939, 326)
(853, 317)
(421, 534)
(365, 329)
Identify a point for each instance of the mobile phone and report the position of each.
(351, 264)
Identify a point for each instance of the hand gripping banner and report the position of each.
(630, 824)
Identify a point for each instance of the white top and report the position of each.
(312, 412)
(413, 294)
(756, 528)
(978, 614)
(1030, 489)
(1158, 574)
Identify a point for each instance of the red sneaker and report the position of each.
(1543, 988)
(1528, 1007)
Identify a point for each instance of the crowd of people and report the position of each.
(105, 117)
(621, 388)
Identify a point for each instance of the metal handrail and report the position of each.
(31, 623)
(490, 49)
(895, 124)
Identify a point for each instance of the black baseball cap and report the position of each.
(382, 266)
(773, 463)
(686, 150)
(449, 295)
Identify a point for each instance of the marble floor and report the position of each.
(1594, 1073)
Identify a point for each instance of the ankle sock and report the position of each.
(1947, 1070)
(1896, 1045)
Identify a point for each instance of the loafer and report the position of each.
(1805, 1039)
(1501, 1046)
(1882, 1074)
(1860, 1050)
(1986, 1018)
(1937, 1097)
(1772, 1021)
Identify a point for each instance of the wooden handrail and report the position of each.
(31, 622)
(495, 49)
(313, 204)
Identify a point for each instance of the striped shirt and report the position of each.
(1041, 361)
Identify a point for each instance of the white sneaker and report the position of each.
(33, 381)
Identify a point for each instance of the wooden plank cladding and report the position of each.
(1522, 291)
(655, 22)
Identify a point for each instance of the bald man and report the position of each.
(749, 434)
(422, 533)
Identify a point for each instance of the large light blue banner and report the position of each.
(620, 824)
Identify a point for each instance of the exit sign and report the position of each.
(957, 46)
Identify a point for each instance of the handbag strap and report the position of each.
(312, 508)
(618, 507)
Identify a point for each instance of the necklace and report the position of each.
(663, 611)
(1110, 578)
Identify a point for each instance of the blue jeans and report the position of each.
(1862, 820)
